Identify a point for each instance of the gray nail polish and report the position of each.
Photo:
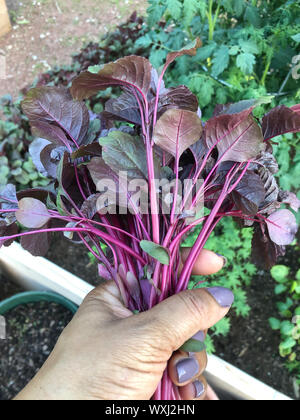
(199, 388)
(199, 336)
(223, 296)
(187, 369)
(224, 259)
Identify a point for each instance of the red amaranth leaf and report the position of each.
(282, 227)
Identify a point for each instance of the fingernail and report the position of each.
(223, 296)
(187, 369)
(200, 336)
(225, 260)
(199, 388)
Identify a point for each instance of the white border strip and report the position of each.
(35, 273)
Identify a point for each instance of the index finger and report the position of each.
(207, 263)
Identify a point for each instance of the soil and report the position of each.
(32, 331)
(47, 32)
(74, 258)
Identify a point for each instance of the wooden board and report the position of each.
(5, 26)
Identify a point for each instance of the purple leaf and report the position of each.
(37, 244)
(93, 149)
(265, 253)
(281, 120)
(249, 193)
(7, 229)
(132, 71)
(179, 97)
(291, 199)
(50, 157)
(190, 49)
(32, 213)
(55, 116)
(177, 130)
(35, 150)
(103, 272)
(282, 226)
(238, 107)
(237, 137)
(124, 108)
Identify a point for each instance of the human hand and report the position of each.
(107, 353)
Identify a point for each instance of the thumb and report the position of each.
(180, 317)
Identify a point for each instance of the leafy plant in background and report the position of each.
(163, 139)
(289, 322)
(15, 162)
(248, 52)
(248, 47)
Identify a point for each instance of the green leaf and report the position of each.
(174, 7)
(193, 346)
(246, 62)
(204, 87)
(296, 37)
(287, 328)
(156, 251)
(274, 323)
(95, 69)
(220, 60)
(123, 152)
(249, 46)
(206, 51)
(252, 16)
(190, 8)
(289, 343)
(280, 273)
(280, 288)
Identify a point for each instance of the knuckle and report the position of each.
(195, 306)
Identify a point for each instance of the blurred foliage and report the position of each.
(288, 321)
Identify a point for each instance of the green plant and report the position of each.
(288, 322)
(15, 162)
(247, 51)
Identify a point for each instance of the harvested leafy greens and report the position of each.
(154, 174)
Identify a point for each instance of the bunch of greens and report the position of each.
(159, 143)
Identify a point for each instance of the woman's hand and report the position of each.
(107, 353)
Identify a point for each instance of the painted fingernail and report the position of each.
(199, 388)
(187, 369)
(223, 296)
(225, 260)
(200, 336)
